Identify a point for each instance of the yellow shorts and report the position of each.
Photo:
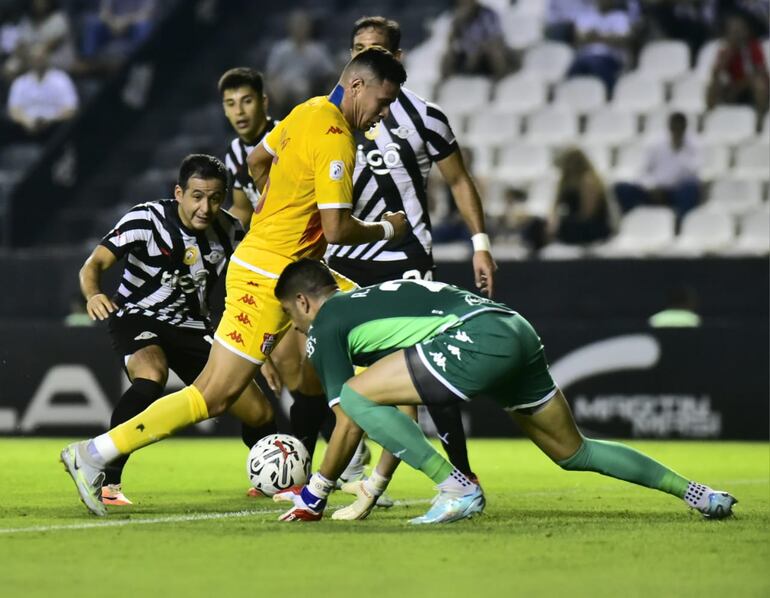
(253, 321)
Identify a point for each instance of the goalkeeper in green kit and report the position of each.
(428, 342)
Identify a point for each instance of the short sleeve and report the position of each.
(272, 140)
(132, 231)
(333, 158)
(328, 352)
(440, 140)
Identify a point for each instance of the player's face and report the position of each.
(372, 100)
(199, 202)
(369, 37)
(245, 111)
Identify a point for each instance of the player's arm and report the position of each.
(468, 202)
(342, 228)
(98, 305)
(259, 160)
(242, 208)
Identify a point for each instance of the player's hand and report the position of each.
(484, 268)
(100, 306)
(271, 375)
(399, 222)
(361, 507)
(307, 506)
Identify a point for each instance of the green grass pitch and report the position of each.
(546, 532)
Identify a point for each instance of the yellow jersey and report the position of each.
(313, 153)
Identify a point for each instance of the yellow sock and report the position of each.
(161, 419)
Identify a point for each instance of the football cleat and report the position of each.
(720, 505)
(450, 507)
(307, 507)
(88, 477)
(254, 493)
(112, 494)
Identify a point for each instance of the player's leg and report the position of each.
(449, 426)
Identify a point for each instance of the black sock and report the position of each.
(141, 394)
(307, 415)
(449, 424)
(251, 436)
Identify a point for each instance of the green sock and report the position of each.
(624, 463)
(396, 432)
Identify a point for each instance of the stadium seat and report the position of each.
(638, 93)
(707, 56)
(491, 128)
(561, 251)
(630, 163)
(548, 60)
(208, 120)
(541, 196)
(534, 8)
(729, 124)
(754, 233)
(714, 162)
(664, 60)
(581, 94)
(153, 184)
(599, 155)
(609, 128)
(734, 196)
(521, 30)
(552, 126)
(703, 231)
(645, 230)
(766, 51)
(19, 157)
(464, 94)
(170, 154)
(522, 163)
(752, 162)
(689, 95)
(520, 93)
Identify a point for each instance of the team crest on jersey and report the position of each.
(268, 342)
(373, 132)
(336, 170)
(190, 255)
(310, 346)
(401, 132)
(214, 257)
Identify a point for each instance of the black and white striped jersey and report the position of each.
(235, 160)
(392, 164)
(170, 269)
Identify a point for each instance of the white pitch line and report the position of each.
(170, 519)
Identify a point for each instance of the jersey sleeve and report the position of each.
(132, 231)
(333, 156)
(440, 140)
(272, 140)
(328, 352)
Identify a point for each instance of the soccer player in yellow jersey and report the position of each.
(304, 167)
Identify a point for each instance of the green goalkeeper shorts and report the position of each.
(493, 354)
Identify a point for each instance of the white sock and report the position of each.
(697, 495)
(102, 450)
(355, 469)
(375, 484)
(319, 485)
(457, 483)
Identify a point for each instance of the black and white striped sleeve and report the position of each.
(440, 140)
(132, 231)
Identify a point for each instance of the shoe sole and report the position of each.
(475, 508)
(92, 503)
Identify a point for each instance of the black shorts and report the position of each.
(365, 273)
(186, 349)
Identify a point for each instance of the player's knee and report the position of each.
(148, 366)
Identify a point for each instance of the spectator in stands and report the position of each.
(45, 24)
(603, 39)
(691, 21)
(561, 17)
(679, 311)
(42, 97)
(10, 28)
(123, 24)
(670, 174)
(740, 74)
(756, 13)
(476, 43)
(298, 67)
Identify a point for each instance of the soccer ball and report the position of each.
(277, 462)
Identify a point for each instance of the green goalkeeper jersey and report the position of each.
(362, 326)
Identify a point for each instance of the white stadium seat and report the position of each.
(521, 30)
(664, 60)
(534, 8)
(645, 230)
(541, 196)
(549, 60)
(520, 93)
(754, 235)
(752, 162)
(522, 163)
(707, 55)
(491, 128)
(464, 94)
(581, 94)
(610, 128)
(734, 196)
(714, 162)
(599, 155)
(704, 231)
(729, 124)
(689, 95)
(638, 93)
(630, 163)
(552, 126)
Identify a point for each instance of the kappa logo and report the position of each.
(454, 351)
(439, 359)
(244, 319)
(334, 130)
(251, 283)
(236, 336)
(247, 299)
(145, 336)
(268, 342)
(463, 337)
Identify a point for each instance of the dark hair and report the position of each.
(381, 63)
(306, 276)
(241, 77)
(677, 118)
(391, 28)
(201, 166)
